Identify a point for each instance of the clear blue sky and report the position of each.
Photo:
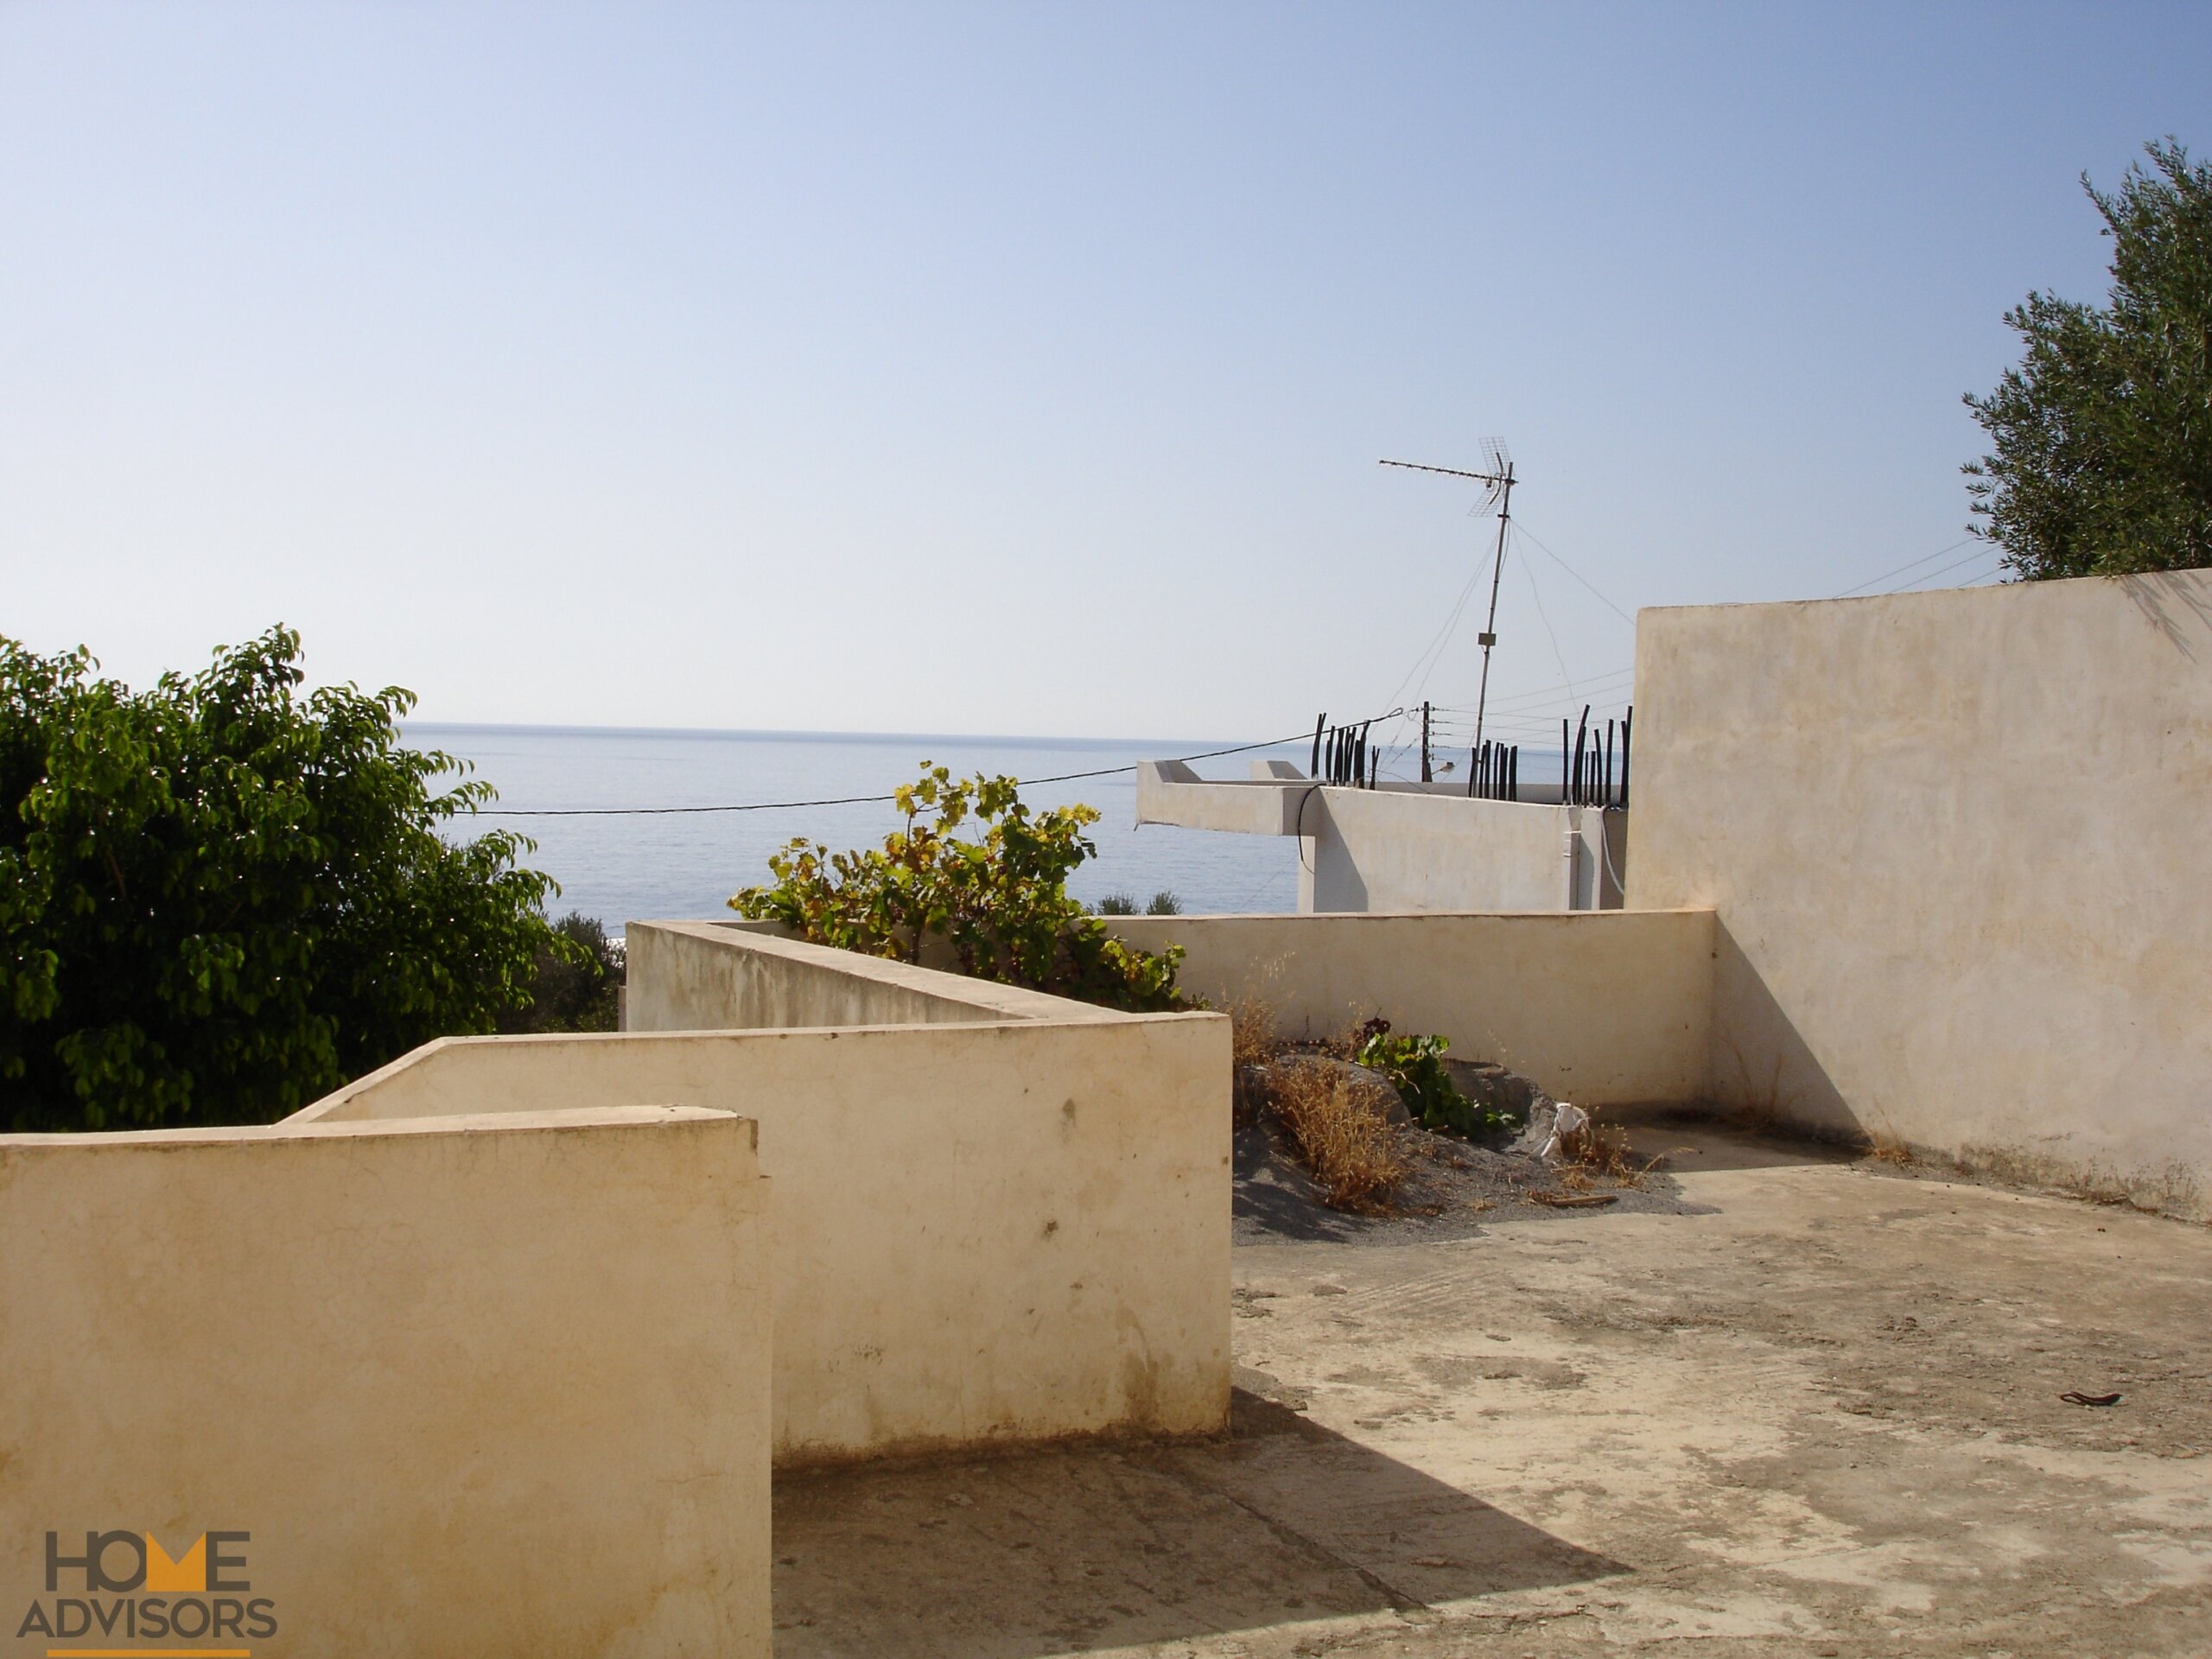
(1009, 369)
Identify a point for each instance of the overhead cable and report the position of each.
(1924, 558)
(1521, 529)
(1974, 557)
(857, 800)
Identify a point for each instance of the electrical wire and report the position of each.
(864, 800)
(1520, 529)
(1523, 700)
(1606, 846)
(1925, 558)
(1529, 571)
(1974, 557)
(1425, 664)
(1435, 648)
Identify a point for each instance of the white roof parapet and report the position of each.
(1168, 791)
(1272, 800)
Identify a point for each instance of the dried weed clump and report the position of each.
(1601, 1152)
(1252, 1035)
(1337, 1126)
(1886, 1146)
(1340, 1134)
(1252, 1047)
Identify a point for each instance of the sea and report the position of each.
(634, 866)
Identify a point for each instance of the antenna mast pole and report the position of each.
(1501, 485)
(1496, 571)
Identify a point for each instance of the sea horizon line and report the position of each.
(1167, 745)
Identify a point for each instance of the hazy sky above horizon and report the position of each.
(1011, 369)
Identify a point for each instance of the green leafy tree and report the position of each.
(575, 981)
(2102, 463)
(997, 902)
(220, 898)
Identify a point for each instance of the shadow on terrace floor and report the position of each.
(1706, 1146)
(1099, 1546)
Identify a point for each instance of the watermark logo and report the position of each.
(130, 1585)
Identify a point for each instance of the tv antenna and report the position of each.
(1499, 479)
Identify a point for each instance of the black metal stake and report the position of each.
(1581, 739)
(1628, 719)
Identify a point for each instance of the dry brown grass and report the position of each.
(1253, 1038)
(1601, 1153)
(1340, 1135)
(1253, 1045)
(1886, 1146)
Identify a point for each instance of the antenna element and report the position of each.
(1499, 477)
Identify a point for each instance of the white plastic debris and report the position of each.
(1565, 1119)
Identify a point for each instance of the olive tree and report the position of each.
(2102, 463)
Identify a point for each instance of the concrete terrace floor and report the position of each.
(1822, 1420)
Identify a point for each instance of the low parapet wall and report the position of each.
(1013, 1229)
(1406, 846)
(746, 976)
(469, 1386)
(1389, 850)
(1604, 1007)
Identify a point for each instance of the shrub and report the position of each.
(998, 903)
(1116, 904)
(1164, 903)
(1416, 1066)
(220, 899)
(575, 988)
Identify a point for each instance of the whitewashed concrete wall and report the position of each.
(1391, 850)
(1012, 1230)
(1423, 846)
(1607, 1008)
(1957, 843)
(474, 1386)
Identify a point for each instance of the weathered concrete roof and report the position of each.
(1822, 1420)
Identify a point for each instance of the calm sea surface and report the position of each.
(624, 869)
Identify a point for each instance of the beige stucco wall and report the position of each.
(685, 975)
(1604, 1007)
(1956, 842)
(989, 1233)
(1407, 846)
(1390, 849)
(479, 1386)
